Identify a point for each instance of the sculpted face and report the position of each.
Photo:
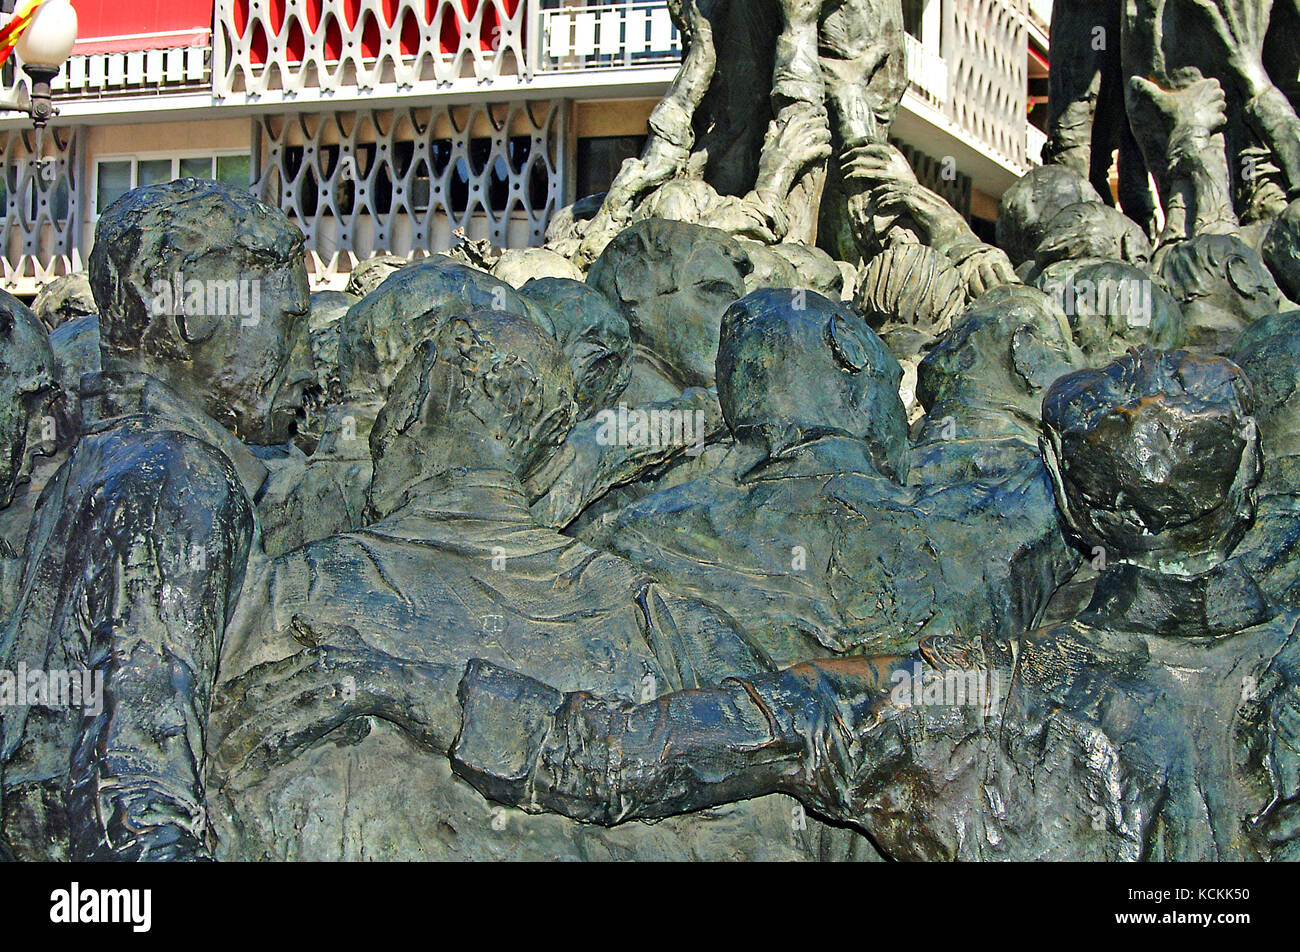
(27, 376)
(258, 369)
(793, 366)
(683, 326)
(1155, 458)
(1113, 306)
(673, 282)
(204, 287)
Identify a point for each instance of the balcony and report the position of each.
(303, 50)
(926, 70)
(607, 36)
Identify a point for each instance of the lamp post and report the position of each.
(43, 48)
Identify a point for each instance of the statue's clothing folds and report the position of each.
(463, 570)
(816, 554)
(1154, 727)
(132, 566)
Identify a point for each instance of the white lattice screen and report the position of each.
(41, 205)
(988, 62)
(284, 47)
(403, 181)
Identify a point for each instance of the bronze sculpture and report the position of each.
(945, 550)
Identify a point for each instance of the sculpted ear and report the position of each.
(848, 343)
(193, 328)
(1246, 279)
(1038, 361)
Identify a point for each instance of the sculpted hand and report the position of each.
(796, 139)
(277, 710)
(878, 163)
(1240, 27)
(1199, 109)
(986, 268)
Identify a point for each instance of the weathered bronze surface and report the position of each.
(767, 512)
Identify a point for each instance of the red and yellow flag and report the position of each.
(12, 30)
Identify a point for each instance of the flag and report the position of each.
(12, 30)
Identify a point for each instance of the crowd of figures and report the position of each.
(924, 549)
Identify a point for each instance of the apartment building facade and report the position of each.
(387, 126)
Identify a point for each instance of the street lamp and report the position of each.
(43, 48)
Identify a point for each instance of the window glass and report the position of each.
(197, 168)
(153, 172)
(61, 200)
(234, 170)
(114, 181)
(600, 158)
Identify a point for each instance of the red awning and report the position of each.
(111, 26)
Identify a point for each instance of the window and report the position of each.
(115, 177)
(113, 180)
(600, 158)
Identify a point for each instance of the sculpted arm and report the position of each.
(813, 731)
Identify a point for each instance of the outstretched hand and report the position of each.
(1240, 27)
(277, 710)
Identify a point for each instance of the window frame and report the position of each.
(176, 157)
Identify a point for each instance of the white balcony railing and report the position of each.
(926, 69)
(286, 51)
(608, 35)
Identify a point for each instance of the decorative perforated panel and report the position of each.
(283, 48)
(986, 45)
(403, 181)
(40, 200)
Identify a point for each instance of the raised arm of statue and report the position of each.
(1240, 26)
(671, 129)
(1182, 133)
(894, 203)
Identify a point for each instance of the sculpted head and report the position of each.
(794, 366)
(1222, 285)
(1281, 250)
(204, 287)
(377, 332)
(489, 390)
(27, 391)
(1113, 306)
(673, 281)
(1093, 230)
(1269, 353)
(1030, 204)
(594, 335)
(1003, 352)
(1155, 458)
